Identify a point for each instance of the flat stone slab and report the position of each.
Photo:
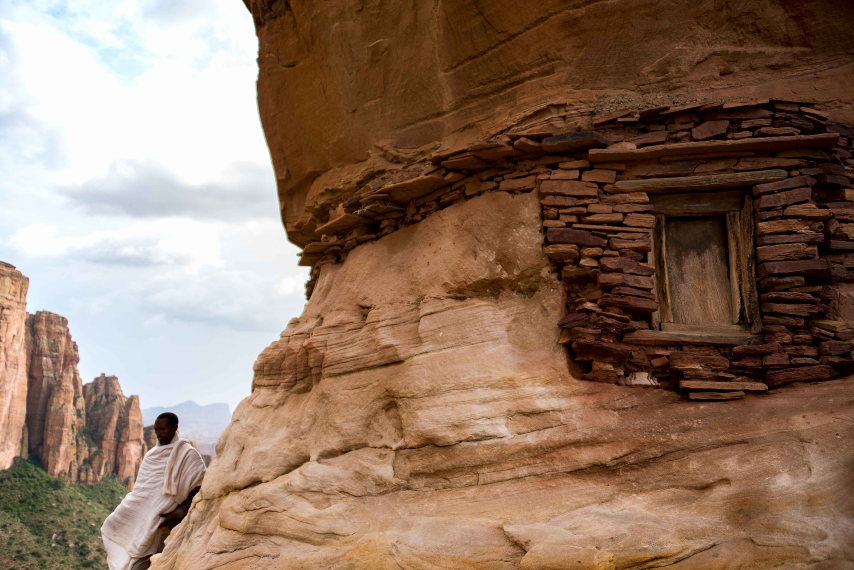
(737, 395)
(715, 385)
(340, 223)
(827, 140)
(700, 183)
(688, 337)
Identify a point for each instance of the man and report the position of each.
(168, 479)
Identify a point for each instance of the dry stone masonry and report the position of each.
(701, 247)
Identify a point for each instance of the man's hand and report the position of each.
(172, 518)
(176, 515)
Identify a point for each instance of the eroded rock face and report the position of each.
(56, 412)
(13, 362)
(350, 89)
(421, 414)
(114, 422)
(81, 433)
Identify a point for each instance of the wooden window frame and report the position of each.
(737, 209)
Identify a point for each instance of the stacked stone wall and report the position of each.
(595, 187)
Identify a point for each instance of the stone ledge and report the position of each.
(825, 140)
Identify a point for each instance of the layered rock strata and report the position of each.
(422, 413)
(13, 363)
(432, 422)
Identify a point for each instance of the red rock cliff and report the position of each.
(114, 422)
(13, 362)
(56, 413)
(79, 433)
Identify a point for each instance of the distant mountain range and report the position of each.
(202, 424)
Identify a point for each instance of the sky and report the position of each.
(136, 190)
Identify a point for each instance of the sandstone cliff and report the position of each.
(114, 423)
(56, 412)
(79, 433)
(422, 412)
(431, 422)
(13, 362)
(348, 91)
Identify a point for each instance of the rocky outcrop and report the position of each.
(13, 362)
(56, 412)
(432, 422)
(78, 433)
(373, 88)
(421, 413)
(114, 424)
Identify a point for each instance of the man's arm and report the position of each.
(176, 515)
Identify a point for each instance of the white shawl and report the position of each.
(167, 475)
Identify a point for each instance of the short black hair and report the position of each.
(170, 417)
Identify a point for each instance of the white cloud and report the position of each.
(38, 239)
(137, 191)
(162, 242)
(185, 106)
(147, 190)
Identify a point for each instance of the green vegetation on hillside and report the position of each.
(46, 523)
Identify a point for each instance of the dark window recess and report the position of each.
(704, 262)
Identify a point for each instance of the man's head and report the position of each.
(165, 427)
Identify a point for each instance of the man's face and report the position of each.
(164, 431)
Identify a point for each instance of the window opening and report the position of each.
(703, 253)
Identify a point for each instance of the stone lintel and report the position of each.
(649, 337)
(700, 183)
(722, 385)
(826, 140)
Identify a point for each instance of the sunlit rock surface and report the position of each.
(79, 433)
(13, 362)
(56, 412)
(420, 413)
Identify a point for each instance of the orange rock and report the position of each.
(56, 411)
(47, 410)
(115, 422)
(13, 362)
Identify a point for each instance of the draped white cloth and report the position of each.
(167, 475)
